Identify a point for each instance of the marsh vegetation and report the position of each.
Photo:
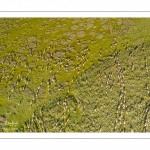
(74, 75)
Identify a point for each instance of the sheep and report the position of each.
(148, 103)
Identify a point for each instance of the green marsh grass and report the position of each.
(74, 74)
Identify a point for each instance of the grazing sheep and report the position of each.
(148, 103)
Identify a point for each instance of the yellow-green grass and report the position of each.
(74, 74)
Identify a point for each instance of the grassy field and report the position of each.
(74, 74)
